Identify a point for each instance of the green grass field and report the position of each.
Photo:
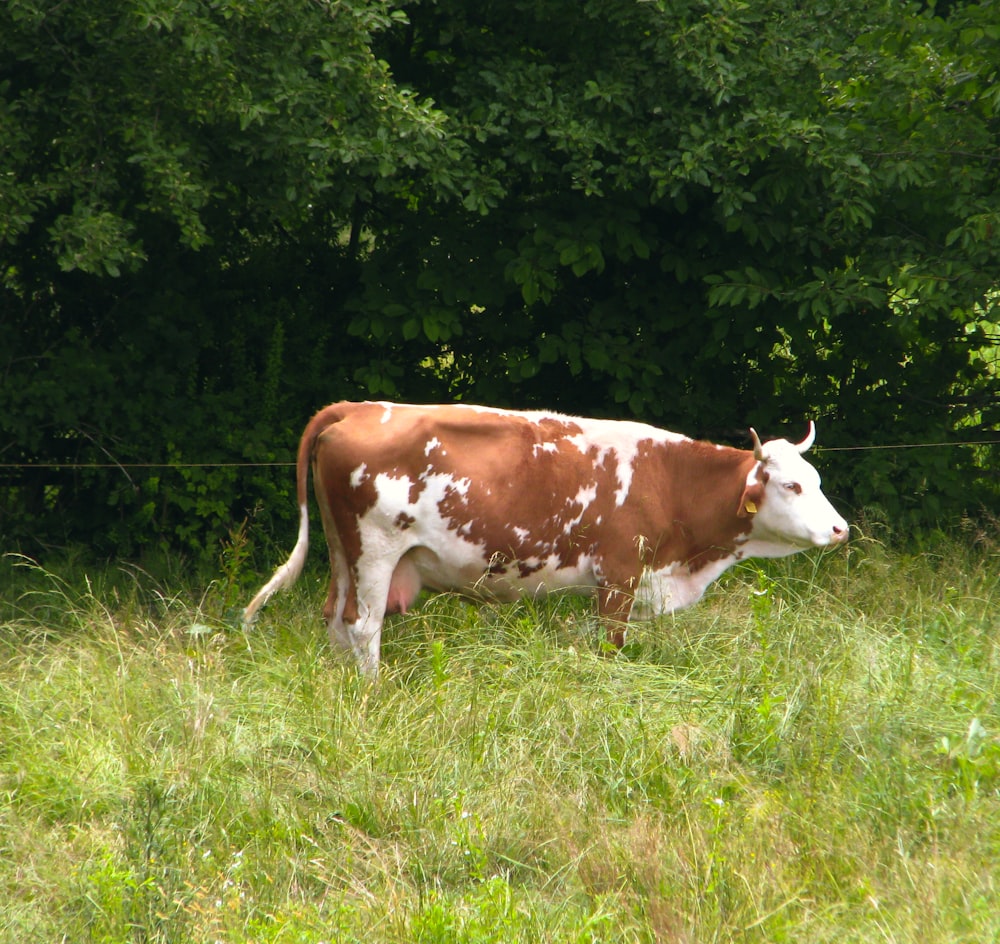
(810, 754)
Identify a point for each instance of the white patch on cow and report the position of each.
(522, 534)
(620, 440)
(532, 416)
(656, 592)
(358, 475)
(392, 494)
(547, 446)
(674, 587)
(433, 444)
(461, 486)
(584, 498)
(623, 469)
(464, 530)
(386, 412)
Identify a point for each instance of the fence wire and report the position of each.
(291, 465)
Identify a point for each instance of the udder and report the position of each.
(404, 588)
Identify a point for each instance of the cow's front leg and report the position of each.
(614, 606)
(364, 635)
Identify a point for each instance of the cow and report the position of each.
(503, 503)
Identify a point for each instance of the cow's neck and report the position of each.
(702, 504)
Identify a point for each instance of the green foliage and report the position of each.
(176, 183)
(809, 755)
(216, 217)
(715, 216)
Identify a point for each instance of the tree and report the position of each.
(217, 217)
(715, 215)
(179, 204)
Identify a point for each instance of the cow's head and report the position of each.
(784, 498)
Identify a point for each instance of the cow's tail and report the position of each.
(286, 575)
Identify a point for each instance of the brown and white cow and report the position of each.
(502, 503)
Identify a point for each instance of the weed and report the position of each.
(809, 755)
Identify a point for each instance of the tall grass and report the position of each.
(811, 754)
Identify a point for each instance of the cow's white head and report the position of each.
(784, 498)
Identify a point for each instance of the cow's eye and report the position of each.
(794, 487)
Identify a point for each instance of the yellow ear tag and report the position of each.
(751, 508)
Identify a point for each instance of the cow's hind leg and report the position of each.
(340, 596)
(363, 622)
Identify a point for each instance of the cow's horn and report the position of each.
(758, 449)
(810, 438)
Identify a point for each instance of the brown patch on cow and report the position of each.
(695, 522)
(417, 485)
(333, 468)
(525, 570)
(521, 500)
(497, 565)
(404, 521)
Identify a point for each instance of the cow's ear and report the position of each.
(753, 494)
(750, 502)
